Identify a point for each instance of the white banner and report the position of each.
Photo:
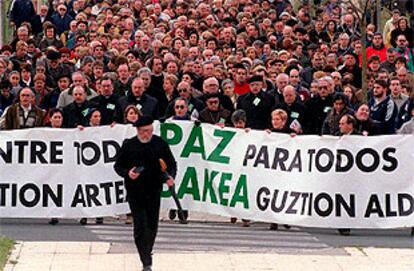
(347, 182)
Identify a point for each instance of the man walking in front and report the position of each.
(138, 162)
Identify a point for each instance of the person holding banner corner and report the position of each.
(138, 162)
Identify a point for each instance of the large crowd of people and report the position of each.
(244, 63)
(202, 60)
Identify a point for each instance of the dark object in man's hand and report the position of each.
(139, 170)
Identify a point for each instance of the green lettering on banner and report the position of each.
(223, 188)
(178, 133)
(190, 176)
(190, 147)
(215, 155)
(208, 185)
(240, 193)
(165, 193)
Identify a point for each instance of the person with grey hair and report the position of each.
(239, 118)
(211, 85)
(195, 105)
(143, 70)
(239, 121)
(75, 113)
(138, 97)
(23, 114)
(331, 83)
(227, 87)
(78, 79)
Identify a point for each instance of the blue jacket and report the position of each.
(21, 11)
(384, 115)
(61, 23)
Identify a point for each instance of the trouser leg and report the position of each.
(153, 218)
(145, 231)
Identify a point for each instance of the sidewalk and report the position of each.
(96, 256)
(62, 256)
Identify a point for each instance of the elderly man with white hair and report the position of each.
(211, 85)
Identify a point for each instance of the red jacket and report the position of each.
(382, 53)
(241, 89)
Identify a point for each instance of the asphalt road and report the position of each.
(209, 236)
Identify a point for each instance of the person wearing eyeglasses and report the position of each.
(138, 162)
(211, 85)
(61, 19)
(214, 113)
(24, 113)
(181, 110)
(319, 106)
(404, 50)
(402, 28)
(194, 105)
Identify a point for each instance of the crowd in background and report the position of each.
(247, 63)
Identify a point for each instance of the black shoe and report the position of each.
(83, 221)
(172, 214)
(246, 222)
(53, 221)
(147, 268)
(185, 213)
(182, 217)
(273, 227)
(99, 220)
(344, 232)
(286, 226)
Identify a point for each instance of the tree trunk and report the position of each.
(364, 60)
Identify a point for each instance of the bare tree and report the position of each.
(360, 10)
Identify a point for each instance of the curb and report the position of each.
(14, 256)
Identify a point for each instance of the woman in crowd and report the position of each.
(131, 115)
(228, 89)
(239, 120)
(94, 117)
(329, 35)
(278, 122)
(364, 124)
(55, 121)
(350, 91)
